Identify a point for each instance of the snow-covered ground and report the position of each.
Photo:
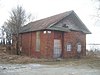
(37, 69)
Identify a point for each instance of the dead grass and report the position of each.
(89, 60)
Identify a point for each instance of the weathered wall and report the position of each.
(74, 38)
(29, 44)
(47, 43)
(25, 43)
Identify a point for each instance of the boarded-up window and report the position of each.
(78, 47)
(69, 47)
(38, 41)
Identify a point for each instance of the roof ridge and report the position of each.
(51, 16)
(48, 22)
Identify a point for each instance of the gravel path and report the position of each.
(37, 69)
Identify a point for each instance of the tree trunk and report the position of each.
(17, 49)
(17, 44)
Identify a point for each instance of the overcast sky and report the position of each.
(85, 9)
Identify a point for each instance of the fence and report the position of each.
(93, 47)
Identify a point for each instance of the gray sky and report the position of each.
(85, 9)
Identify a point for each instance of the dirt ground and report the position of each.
(23, 65)
(37, 69)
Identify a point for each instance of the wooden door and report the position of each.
(57, 48)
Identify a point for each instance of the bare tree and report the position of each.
(8, 30)
(2, 36)
(13, 25)
(97, 7)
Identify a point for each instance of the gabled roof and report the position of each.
(47, 23)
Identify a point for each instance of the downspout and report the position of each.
(62, 53)
(30, 45)
(48, 37)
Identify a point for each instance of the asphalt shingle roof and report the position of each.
(47, 22)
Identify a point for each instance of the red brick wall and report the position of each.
(47, 43)
(74, 38)
(34, 53)
(29, 44)
(25, 42)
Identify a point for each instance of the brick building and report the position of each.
(59, 36)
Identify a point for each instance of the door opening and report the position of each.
(57, 48)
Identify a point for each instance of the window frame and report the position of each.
(69, 46)
(79, 47)
(37, 41)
